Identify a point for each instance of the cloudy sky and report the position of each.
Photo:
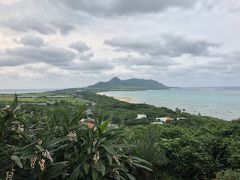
(74, 43)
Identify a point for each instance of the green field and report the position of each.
(42, 97)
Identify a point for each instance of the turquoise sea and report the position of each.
(217, 102)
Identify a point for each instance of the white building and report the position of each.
(181, 118)
(51, 102)
(141, 116)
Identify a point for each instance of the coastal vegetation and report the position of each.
(58, 143)
(189, 149)
(118, 146)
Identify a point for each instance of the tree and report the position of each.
(15, 101)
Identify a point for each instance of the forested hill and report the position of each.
(128, 85)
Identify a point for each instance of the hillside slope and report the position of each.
(128, 85)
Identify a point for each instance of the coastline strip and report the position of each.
(122, 98)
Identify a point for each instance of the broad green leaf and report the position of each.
(39, 147)
(86, 167)
(94, 174)
(142, 166)
(75, 173)
(131, 177)
(104, 126)
(17, 160)
(141, 160)
(56, 170)
(56, 141)
(109, 149)
(28, 146)
(76, 118)
(109, 158)
(102, 167)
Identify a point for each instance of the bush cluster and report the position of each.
(59, 145)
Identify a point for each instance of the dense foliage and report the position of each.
(192, 147)
(228, 175)
(189, 149)
(55, 144)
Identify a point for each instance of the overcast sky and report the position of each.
(74, 43)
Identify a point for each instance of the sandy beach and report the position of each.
(122, 98)
(126, 99)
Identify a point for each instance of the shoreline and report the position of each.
(122, 98)
(204, 110)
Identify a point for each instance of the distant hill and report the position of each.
(128, 85)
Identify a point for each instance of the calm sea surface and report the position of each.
(19, 91)
(217, 102)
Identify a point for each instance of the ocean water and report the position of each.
(20, 91)
(218, 102)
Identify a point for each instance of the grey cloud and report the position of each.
(233, 57)
(126, 7)
(24, 24)
(32, 40)
(170, 45)
(80, 46)
(50, 55)
(6, 60)
(56, 56)
(215, 67)
(94, 65)
(85, 56)
(159, 61)
(83, 50)
(64, 27)
(228, 62)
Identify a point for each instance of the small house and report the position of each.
(141, 116)
(164, 119)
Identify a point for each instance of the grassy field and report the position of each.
(42, 97)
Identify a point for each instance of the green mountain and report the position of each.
(127, 85)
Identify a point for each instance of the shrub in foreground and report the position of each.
(60, 146)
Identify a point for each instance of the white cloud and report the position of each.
(49, 44)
